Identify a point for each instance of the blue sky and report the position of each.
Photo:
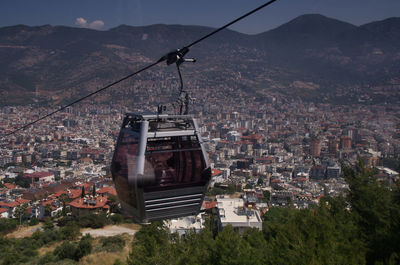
(105, 14)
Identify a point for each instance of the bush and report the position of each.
(89, 220)
(33, 221)
(112, 244)
(65, 251)
(117, 218)
(47, 258)
(71, 231)
(7, 225)
(74, 251)
(84, 247)
(48, 223)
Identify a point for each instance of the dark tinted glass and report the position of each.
(124, 164)
(174, 162)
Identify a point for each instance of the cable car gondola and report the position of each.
(160, 168)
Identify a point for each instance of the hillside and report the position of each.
(52, 64)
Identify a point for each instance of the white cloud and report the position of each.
(97, 24)
(82, 23)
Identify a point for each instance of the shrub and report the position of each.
(112, 244)
(117, 218)
(7, 225)
(65, 251)
(33, 221)
(71, 231)
(84, 247)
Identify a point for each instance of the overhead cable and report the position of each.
(171, 57)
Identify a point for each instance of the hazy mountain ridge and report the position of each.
(311, 48)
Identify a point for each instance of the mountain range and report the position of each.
(310, 55)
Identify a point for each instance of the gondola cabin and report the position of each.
(160, 168)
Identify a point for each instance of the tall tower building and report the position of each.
(315, 147)
(345, 142)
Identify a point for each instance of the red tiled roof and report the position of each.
(105, 190)
(209, 205)
(80, 203)
(39, 175)
(86, 185)
(3, 210)
(74, 193)
(216, 172)
(10, 186)
(59, 193)
(47, 202)
(22, 201)
(9, 204)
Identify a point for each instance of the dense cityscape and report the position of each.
(290, 153)
(292, 149)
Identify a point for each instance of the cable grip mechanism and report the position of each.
(177, 57)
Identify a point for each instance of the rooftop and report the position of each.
(232, 211)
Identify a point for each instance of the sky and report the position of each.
(106, 14)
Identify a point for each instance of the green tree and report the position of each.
(112, 243)
(33, 221)
(260, 181)
(151, 246)
(21, 181)
(7, 225)
(84, 247)
(248, 186)
(267, 196)
(64, 199)
(375, 211)
(113, 202)
(71, 231)
(230, 248)
(94, 190)
(65, 251)
(48, 224)
(83, 192)
(47, 210)
(21, 212)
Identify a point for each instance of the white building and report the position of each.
(233, 211)
(184, 224)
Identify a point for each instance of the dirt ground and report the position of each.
(24, 231)
(110, 230)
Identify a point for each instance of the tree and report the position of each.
(48, 224)
(227, 252)
(151, 246)
(267, 196)
(248, 186)
(20, 212)
(113, 202)
(83, 192)
(21, 181)
(112, 243)
(84, 247)
(375, 211)
(47, 210)
(65, 251)
(64, 199)
(260, 181)
(71, 231)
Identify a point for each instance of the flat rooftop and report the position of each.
(232, 211)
